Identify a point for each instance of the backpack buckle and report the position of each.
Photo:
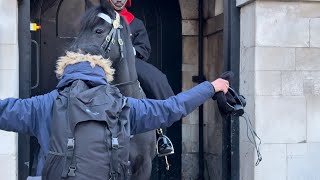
(113, 176)
(72, 171)
(70, 144)
(115, 143)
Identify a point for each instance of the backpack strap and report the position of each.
(70, 165)
(114, 163)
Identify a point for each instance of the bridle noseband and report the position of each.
(110, 39)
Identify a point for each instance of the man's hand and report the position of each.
(220, 85)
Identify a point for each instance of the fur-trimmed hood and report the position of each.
(74, 66)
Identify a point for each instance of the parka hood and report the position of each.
(92, 68)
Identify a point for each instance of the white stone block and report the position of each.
(247, 83)
(189, 9)
(314, 31)
(268, 83)
(292, 83)
(190, 138)
(247, 59)
(274, 163)
(189, 44)
(192, 118)
(316, 87)
(8, 168)
(190, 132)
(247, 160)
(9, 83)
(241, 3)
(247, 153)
(248, 25)
(218, 7)
(9, 22)
(308, 59)
(272, 58)
(278, 25)
(281, 119)
(309, 9)
(8, 143)
(9, 56)
(190, 27)
(313, 118)
(303, 161)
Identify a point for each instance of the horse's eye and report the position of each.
(99, 31)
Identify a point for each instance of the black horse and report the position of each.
(101, 34)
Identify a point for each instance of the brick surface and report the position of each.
(272, 58)
(189, 50)
(248, 25)
(8, 168)
(189, 9)
(8, 143)
(9, 22)
(9, 56)
(10, 79)
(313, 118)
(308, 59)
(314, 31)
(292, 83)
(281, 119)
(278, 23)
(303, 160)
(268, 83)
(190, 27)
(274, 163)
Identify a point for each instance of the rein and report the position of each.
(110, 40)
(115, 31)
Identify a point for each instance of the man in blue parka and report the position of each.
(33, 116)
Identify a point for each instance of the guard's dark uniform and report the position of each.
(157, 85)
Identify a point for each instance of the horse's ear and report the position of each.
(92, 3)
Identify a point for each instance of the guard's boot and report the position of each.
(164, 145)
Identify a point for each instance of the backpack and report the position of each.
(90, 134)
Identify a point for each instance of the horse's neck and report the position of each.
(126, 75)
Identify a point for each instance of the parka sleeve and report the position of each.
(26, 115)
(148, 114)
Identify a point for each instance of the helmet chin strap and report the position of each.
(118, 8)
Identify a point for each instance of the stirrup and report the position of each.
(162, 137)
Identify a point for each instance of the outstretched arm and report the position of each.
(26, 115)
(147, 114)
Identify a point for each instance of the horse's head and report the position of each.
(103, 32)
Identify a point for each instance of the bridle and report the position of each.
(115, 31)
(110, 40)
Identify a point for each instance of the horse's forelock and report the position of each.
(90, 18)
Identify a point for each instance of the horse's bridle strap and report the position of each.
(105, 17)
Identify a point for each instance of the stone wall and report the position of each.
(280, 76)
(213, 64)
(190, 124)
(9, 78)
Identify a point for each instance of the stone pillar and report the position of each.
(190, 124)
(280, 76)
(9, 78)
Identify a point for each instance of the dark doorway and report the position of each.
(59, 20)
